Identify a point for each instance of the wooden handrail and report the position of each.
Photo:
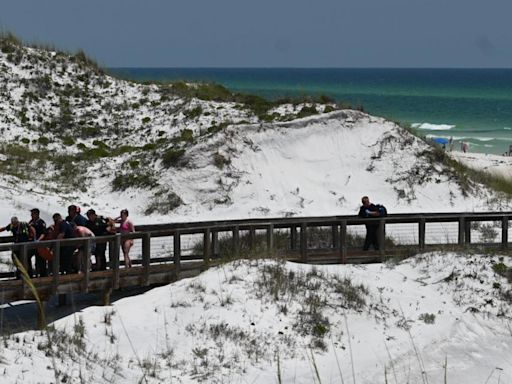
(169, 265)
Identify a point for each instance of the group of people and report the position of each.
(74, 225)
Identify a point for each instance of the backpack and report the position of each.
(383, 212)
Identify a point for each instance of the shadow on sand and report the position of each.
(21, 316)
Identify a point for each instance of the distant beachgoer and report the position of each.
(450, 143)
(126, 226)
(465, 146)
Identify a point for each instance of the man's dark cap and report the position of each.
(35, 210)
(90, 212)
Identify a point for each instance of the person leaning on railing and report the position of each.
(64, 231)
(22, 233)
(370, 210)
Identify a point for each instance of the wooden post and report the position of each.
(270, 238)
(207, 243)
(293, 237)
(56, 267)
(467, 234)
(462, 227)
(114, 260)
(421, 233)
(22, 254)
(343, 241)
(236, 241)
(62, 300)
(146, 257)
(86, 263)
(215, 244)
(176, 243)
(504, 232)
(252, 237)
(106, 296)
(303, 242)
(335, 237)
(382, 236)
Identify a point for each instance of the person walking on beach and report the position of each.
(369, 210)
(126, 226)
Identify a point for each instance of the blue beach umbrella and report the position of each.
(440, 140)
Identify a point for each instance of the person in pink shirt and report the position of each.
(125, 226)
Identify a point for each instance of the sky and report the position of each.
(270, 33)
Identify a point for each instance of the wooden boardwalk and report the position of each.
(301, 239)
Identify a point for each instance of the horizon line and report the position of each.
(298, 67)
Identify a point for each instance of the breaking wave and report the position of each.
(433, 127)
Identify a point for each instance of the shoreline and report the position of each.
(498, 165)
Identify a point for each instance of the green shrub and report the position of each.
(187, 135)
(25, 140)
(145, 179)
(94, 153)
(172, 156)
(307, 111)
(163, 202)
(428, 318)
(149, 146)
(90, 131)
(218, 127)
(194, 112)
(220, 161)
(99, 143)
(146, 120)
(500, 269)
(68, 140)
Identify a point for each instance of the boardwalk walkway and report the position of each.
(168, 252)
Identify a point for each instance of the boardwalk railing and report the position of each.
(166, 252)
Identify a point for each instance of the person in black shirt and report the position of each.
(100, 226)
(370, 210)
(40, 229)
(22, 233)
(64, 231)
(75, 216)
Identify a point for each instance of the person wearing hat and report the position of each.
(22, 233)
(39, 226)
(100, 226)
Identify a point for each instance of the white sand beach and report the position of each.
(495, 164)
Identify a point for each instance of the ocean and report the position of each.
(470, 105)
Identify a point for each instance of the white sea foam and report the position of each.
(483, 138)
(507, 128)
(433, 127)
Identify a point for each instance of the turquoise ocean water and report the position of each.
(472, 105)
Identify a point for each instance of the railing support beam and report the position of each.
(343, 241)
